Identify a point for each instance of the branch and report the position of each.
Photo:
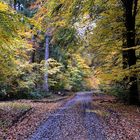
(132, 48)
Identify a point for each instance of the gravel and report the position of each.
(72, 122)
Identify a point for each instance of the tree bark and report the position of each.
(129, 57)
(33, 57)
(15, 3)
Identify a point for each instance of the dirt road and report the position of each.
(73, 121)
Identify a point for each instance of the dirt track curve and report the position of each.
(73, 121)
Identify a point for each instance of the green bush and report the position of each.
(115, 89)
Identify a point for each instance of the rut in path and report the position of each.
(73, 121)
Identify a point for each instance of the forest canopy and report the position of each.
(60, 45)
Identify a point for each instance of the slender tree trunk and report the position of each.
(11, 3)
(15, 4)
(129, 57)
(32, 57)
(19, 6)
(47, 43)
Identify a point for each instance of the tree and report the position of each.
(114, 32)
(129, 56)
(59, 19)
(15, 68)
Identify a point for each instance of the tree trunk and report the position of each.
(129, 57)
(47, 43)
(15, 4)
(32, 60)
(19, 6)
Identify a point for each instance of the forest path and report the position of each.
(73, 121)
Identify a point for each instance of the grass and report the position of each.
(10, 113)
(12, 105)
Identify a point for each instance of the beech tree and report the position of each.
(129, 56)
